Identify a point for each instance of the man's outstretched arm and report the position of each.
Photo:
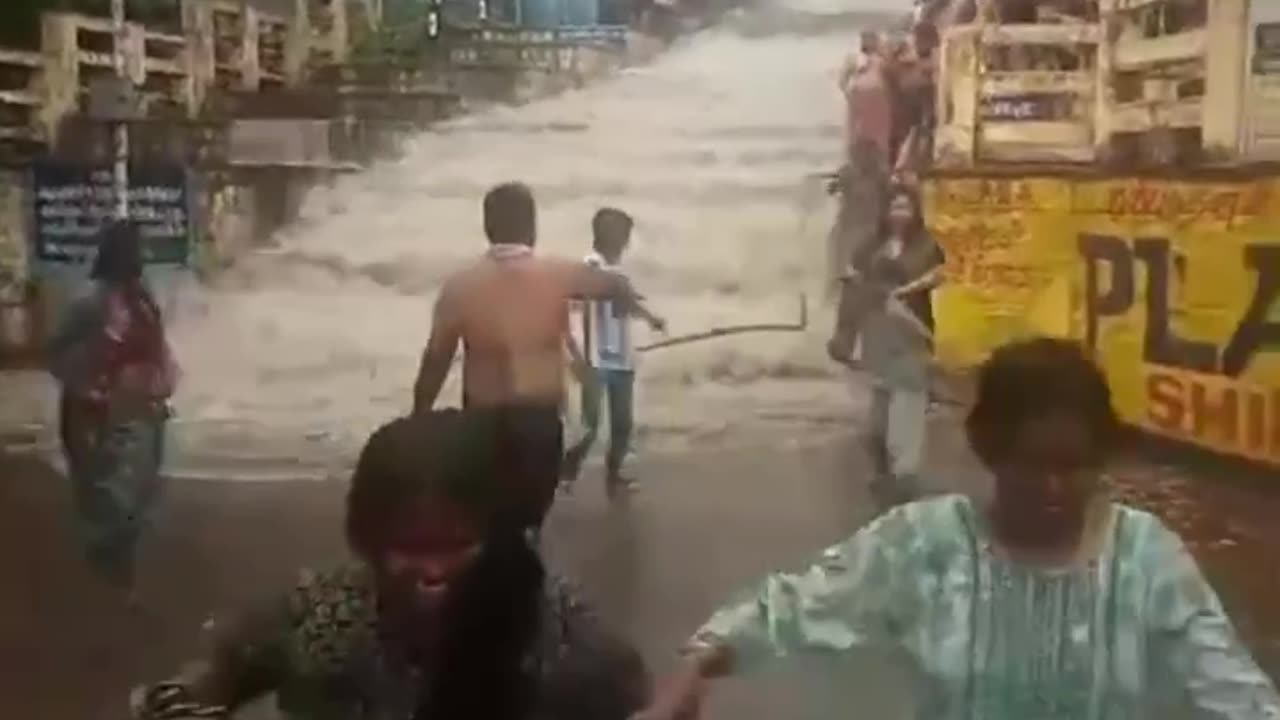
(641, 310)
(594, 283)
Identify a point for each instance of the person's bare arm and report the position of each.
(248, 661)
(905, 163)
(585, 282)
(639, 309)
(931, 278)
(928, 281)
(577, 361)
(681, 695)
(438, 355)
(847, 71)
(575, 352)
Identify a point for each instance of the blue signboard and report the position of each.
(590, 18)
(71, 204)
(581, 13)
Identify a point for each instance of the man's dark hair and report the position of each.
(1032, 378)
(610, 229)
(119, 258)
(447, 454)
(510, 215)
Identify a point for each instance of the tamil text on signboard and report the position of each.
(71, 204)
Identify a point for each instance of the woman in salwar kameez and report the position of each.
(1050, 602)
(886, 308)
(112, 358)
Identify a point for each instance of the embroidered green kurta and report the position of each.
(993, 639)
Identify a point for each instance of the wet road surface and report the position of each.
(706, 523)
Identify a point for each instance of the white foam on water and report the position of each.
(305, 347)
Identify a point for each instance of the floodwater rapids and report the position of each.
(305, 346)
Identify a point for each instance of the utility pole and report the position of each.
(121, 129)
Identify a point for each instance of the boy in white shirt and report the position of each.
(607, 347)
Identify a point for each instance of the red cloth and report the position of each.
(131, 354)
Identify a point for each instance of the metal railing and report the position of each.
(1018, 93)
(1077, 92)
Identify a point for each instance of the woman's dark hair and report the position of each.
(510, 215)
(1032, 378)
(119, 259)
(610, 229)
(492, 616)
(447, 454)
(917, 209)
(492, 620)
(915, 232)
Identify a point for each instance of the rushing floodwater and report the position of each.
(306, 346)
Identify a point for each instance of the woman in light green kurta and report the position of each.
(1050, 602)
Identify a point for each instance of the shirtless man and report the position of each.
(864, 178)
(509, 310)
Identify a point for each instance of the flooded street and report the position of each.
(750, 454)
(308, 345)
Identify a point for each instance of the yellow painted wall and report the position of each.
(1018, 256)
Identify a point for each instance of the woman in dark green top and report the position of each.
(887, 306)
(448, 615)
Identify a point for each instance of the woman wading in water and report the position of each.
(113, 361)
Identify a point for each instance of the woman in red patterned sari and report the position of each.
(113, 361)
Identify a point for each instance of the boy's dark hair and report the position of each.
(510, 215)
(119, 258)
(610, 229)
(447, 454)
(1032, 378)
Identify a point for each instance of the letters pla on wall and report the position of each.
(1175, 287)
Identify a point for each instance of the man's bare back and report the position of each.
(509, 310)
(513, 314)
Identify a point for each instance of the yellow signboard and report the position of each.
(1174, 285)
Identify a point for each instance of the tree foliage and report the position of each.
(403, 33)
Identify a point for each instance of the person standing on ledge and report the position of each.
(606, 333)
(510, 311)
(863, 179)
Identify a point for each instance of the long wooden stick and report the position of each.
(800, 326)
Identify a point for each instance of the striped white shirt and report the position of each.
(606, 329)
